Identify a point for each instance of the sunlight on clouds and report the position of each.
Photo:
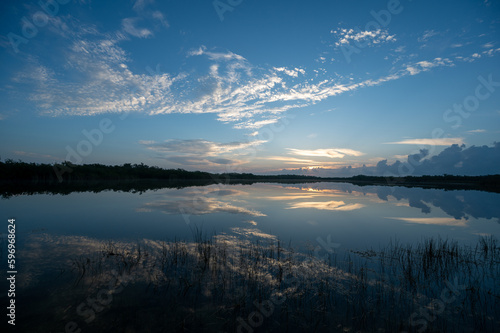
(289, 160)
(431, 142)
(331, 153)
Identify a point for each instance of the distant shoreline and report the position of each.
(19, 177)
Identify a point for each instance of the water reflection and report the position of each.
(459, 204)
(326, 205)
(214, 283)
(433, 220)
(198, 202)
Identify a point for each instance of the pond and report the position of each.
(70, 247)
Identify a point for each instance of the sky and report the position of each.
(328, 88)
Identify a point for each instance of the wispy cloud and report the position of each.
(427, 35)
(216, 55)
(247, 96)
(331, 152)
(431, 142)
(477, 131)
(421, 66)
(129, 26)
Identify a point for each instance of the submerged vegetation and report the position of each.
(225, 284)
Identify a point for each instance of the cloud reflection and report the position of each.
(327, 205)
(197, 206)
(448, 221)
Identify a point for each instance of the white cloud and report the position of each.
(371, 37)
(129, 26)
(202, 50)
(291, 72)
(249, 97)
(477, 131)
(431, 142)
(423, 66)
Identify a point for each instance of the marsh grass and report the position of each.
(207, 284)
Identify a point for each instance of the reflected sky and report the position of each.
(353, 216)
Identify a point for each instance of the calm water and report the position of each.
(53, 230)
(353, 216)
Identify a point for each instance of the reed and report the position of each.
(208, 284)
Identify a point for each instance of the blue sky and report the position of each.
(316, 87)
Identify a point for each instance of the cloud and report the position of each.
(217, 56)
(330, 153)
(477, 131)
(371, 37)
(423, 66)
(157, 15)
(427, 35)
(400, 49)
(288, 160)
(431, 142)
(290, 72)
(129, 26)
(99, 80)
(202, 152)
(453, 160)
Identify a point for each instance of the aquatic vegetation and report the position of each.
(224, 283)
